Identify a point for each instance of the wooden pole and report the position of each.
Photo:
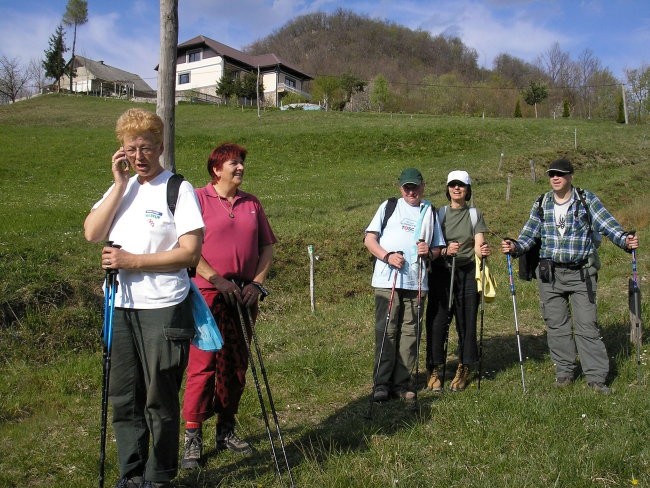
(533, 176)
(508, 187)
(624, 103)
(310, 250)
(166, 98)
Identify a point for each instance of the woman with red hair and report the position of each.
(235, 260)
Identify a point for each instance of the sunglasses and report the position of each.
(553, 174)
(459, 184)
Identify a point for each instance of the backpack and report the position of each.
(529, 261)
(173, 186)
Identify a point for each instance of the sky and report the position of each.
(125, 34)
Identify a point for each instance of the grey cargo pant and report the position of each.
(582, 338)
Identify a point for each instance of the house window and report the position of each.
(290, 82)
(183, 78)
(193, 56)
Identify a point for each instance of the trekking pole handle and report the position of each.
(112, 271)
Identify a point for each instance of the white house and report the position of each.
(96, 78)
(201, 62)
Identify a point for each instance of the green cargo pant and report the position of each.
(149, 354)
(398, 355)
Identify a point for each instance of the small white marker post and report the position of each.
(310, 250)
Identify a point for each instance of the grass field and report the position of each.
(320, 177)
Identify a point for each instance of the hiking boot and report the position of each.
(193, 449)
(459, 383)
(134, 482)
(380, 395)
(407, 395)
(562, 381)
(435, 381)
(599, 387)
(229, 440)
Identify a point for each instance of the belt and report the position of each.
(573, 266)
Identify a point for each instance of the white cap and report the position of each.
(458, 175)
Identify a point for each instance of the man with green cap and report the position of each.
(402, 235)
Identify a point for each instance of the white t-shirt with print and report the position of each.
(399, 235)
(144, 224)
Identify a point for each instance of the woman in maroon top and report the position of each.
(235, 260)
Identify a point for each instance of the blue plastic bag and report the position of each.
(206, 334)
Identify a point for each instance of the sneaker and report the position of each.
(459, 383)
(380, 395)
(599, 387)
(193, 449)
(435, 382)
(156, 484)
(233, 443)
(134, 482)
(562, 381)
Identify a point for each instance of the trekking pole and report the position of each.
(514, 305)
(251, 360)
(110, 288)
(480, 340)
(450, 314)
(635, 314)
(417, 329)
(258, 351)
(383, 340)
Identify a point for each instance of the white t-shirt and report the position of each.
(559, 212)
(399, 235)
(144, 224)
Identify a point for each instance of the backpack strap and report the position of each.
(173, 186)
(473, 215)
(391, 203)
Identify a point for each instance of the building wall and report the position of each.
(203, 74)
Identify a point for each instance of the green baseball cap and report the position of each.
(410, 176)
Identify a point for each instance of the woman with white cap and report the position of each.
(463, 228)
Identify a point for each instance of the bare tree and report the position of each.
(13, 78)
(165, 106)
(76, 13)
(37, 75)
(638, 80)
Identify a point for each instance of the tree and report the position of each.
(37, 74)
(76, 13)
(620, 116)
(328, 89)
(639, 82)
(379, 93)
(54, 63)
(517, 110)
(249, 87)
(535, 93)
(227, 86)
(13, 78)
(566, 112)
(351, 85)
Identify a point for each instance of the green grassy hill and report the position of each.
(321, 177)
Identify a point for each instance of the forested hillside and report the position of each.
(439, 75)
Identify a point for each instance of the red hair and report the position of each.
(222, 153)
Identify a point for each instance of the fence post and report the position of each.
(508, 187)
(533, 176)
(310, 251)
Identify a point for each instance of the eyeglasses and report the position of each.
(132, 151)
(554, 174)
(409, 187)
(459, 184)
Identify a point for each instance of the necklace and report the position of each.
(229, 212)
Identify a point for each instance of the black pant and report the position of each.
(464, 308)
